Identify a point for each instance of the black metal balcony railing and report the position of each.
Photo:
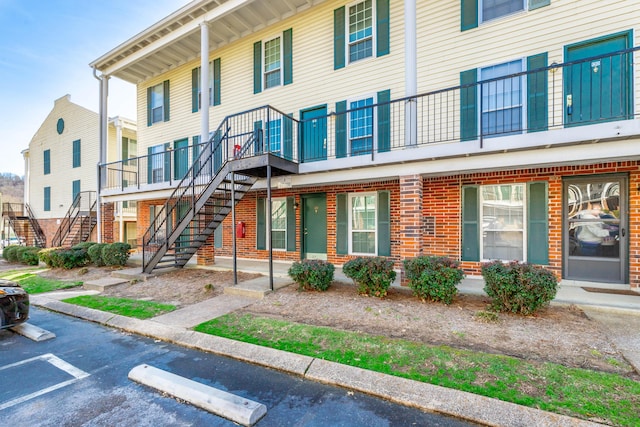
(590, 91)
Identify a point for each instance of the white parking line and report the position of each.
(76, 373)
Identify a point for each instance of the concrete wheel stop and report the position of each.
(235, 408)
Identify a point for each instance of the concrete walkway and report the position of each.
(619, 314)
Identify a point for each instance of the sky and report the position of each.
(45, 50)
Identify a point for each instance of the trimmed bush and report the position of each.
(71, 258)
(116, 254)
(83, 245)
(518, 288)
(372, 275)
(433, 278)
(31, 256)
(95, 254)
(10, 253)
(47, 256)
(312, 274)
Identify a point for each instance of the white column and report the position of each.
(104, 93)
(204, 82)
(410, 72)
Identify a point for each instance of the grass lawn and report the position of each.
(122, 306)
(581, 393)
(34, 284)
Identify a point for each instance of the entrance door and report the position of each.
(595, 228)
(314, 134)
(598, 90)
(314, 226)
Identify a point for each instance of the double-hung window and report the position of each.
(360, 30)
(279, 223)
(492, 9)
(129, 151)
(362, 223)
(157, 161)
(157, 103)
(502, 210)
(275, 136)
(502, 99)
(214, 86)
(361, 119)
(272, 67)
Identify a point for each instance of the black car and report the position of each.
(14, 304)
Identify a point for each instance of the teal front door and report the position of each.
(599, 89)
(314, 134)
(314, 226)
(180, 158)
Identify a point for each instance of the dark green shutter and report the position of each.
(261, 224)
(382, 29)
(341, 129)
(468, 14)
(535, 4)
(216, 82)
(384, 224)
(342, 226)
(470, 224)
(195, 88)
(125, 149)
(217, 237)
(339, 42)
(195, 150)
(150, 157)
(165, 94)
(75, 189)
(257, 67)
(218, 149)
(167, 162)
(384, 121)
(149, 118)
(287, 136)
(291, 224)
(258, 139)
(47, 198)
(537, 223)
(288, 56)
(469, 105)
(76, 154)
(46, 164)
(537, 86)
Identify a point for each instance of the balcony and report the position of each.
(586, 101)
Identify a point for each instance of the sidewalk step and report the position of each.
(134, 273)
(103, 283)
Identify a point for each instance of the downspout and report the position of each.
(103, 143)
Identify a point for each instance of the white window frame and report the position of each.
(523, 98)
(282, 200)
(374, 31)
(274, 138)
(483, 220)
(156, 157)
(525, 7)
(159, 101)
(350, 198)
(280, 69)
(132, 159)
(374, 130)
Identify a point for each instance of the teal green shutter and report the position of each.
(150, 157)
(165, 93)
(537, 223)
(339, 42)
(257, 67)
(382, 29)
(468, 14)
(468, 105)
(46, 164)
(287, 136)
(470, 224)
(125, 148)
(47, 198)
(218, 149)
(217, 237)
(384, 121)
(75, 189)
(384, 224)
(195, 150)
(537, 86)
(258, 139)
(195, 88)
(291, 224)
(341, 129)
(342, 226)
(167, 162)
(76, 154)
(149, 118)
(535, 4)
(288, 56)
(261, 224)
(216, 82)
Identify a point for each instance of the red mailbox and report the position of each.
(241, 229)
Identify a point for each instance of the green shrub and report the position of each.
(10, 253)
(518, 288)
(312, 274)
(30, 256)
(95, 254)
(116, 254)
(372, 275)
(71, 258)
(47, 256)
(83, 245)
(433, 278)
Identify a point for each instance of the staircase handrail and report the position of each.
(40, 237)
(71, 216)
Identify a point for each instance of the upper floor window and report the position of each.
(275, 136)
(361, 119)
(129, 151)
(214, 86)
(47, 162)
(474, 11)
(502, 99)
(273, 62)
(76, 153)
(361, 30)
(158, 103)
(492, 9)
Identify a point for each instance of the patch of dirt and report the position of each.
(559, 334)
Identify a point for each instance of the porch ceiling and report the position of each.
(175, 40)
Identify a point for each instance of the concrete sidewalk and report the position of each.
(612, 310)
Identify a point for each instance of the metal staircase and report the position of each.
(25, 226)
(79, 222)
(226, 169)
